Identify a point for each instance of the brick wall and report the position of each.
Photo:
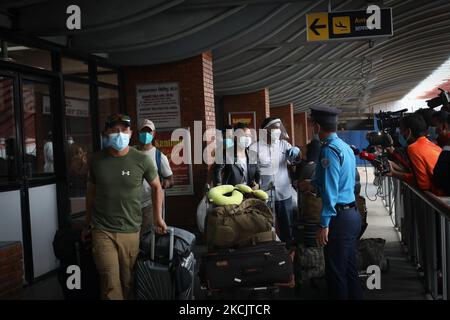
(302, 135)
(11, 270)
(286, 114)
(255, 101)
(195, 78)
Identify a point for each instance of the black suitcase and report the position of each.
(163, 276)
(70, 250)
(262, 265)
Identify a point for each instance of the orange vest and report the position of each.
(423, 155)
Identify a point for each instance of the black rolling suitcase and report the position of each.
(70, 250)
(262, 265)
(165, 268)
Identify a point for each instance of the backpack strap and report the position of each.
(158, 162)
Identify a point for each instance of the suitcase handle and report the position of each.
(171, 232)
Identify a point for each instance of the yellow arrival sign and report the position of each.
(317, 26)
(341, 25)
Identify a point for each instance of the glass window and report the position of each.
(79, 142)
(74, 67)
(107, 75)
(29, 56)
(37, 128)
(108, 103)
(7, 131)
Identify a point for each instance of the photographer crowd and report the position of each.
(422, 156)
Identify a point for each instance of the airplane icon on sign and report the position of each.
(340, 25)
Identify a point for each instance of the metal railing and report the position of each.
(423, 221)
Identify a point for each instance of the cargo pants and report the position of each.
(115, 254)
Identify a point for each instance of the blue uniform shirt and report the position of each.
(335, 176)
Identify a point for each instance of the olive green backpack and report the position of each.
(239, 225)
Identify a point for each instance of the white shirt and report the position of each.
(48, 157)
(243, 163)
(273, 162)
(146, 196)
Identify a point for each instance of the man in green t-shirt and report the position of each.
(113, 205)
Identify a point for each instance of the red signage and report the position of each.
(249, 118)
(182, 173)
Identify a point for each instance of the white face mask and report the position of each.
(275, 134)
(245, 142)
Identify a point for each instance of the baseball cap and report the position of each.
(147, 123)
(116, 118)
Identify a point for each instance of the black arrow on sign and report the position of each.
(314, 26)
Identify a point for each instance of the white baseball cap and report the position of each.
(147, 123)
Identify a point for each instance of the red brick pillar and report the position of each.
(255, 101)
(302, 134)
(195, 79)
(286, 114)
(11, 270)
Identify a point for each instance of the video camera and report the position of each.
(379, 141)
(442, 99)
(389, 121)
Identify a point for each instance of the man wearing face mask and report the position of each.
(274, 153)
(147, 133)
(422, 153)
(113, 211)
(340, 221)
(427, 115)
(442, 128)
(239, 171)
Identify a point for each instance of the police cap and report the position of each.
(324, 114)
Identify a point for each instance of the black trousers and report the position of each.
(340, 256)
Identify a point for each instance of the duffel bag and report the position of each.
(239, 225)
(371, 252)
(311, 207)
(362, 209)
(309, 263)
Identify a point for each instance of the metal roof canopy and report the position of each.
(257, 44)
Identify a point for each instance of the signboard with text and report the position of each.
(248, 118)
(182, 173)
(159, 102)
(324, 26)
(75, 107)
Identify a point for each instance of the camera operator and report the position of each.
(441, 174)
(422, 153)
(427, 115)
(443, 99)
(442, 127)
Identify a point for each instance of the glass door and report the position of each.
(28, 197)
(39, 179)
(10, 186)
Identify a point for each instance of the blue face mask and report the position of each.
(402, 141)
(228, 143)
(432, 133)
(119, 141)
(145, 137)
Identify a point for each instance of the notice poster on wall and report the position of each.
(182, 173)
(248, 118)
(74, 107)
(159, 102)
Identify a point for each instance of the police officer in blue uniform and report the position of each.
(340, 222)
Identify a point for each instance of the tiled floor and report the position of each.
(401, 282)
